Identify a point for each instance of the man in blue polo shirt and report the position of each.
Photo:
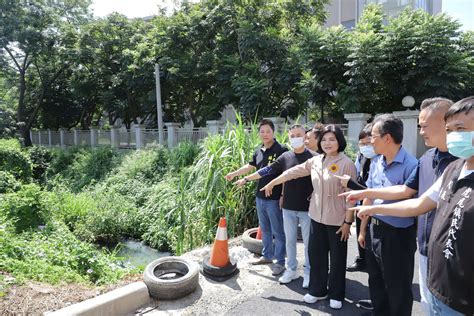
(390, 241)
(430, 167)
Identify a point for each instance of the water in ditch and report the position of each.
(136, 254)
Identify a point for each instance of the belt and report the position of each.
(378, 222)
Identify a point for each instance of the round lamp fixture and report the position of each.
(408, 101)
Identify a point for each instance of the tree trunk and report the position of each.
(24, 131)
(321, 106)
(39, 102)
(31, 119)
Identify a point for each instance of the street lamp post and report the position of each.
(159, 109)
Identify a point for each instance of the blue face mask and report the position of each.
(367, 151)
(460, 144)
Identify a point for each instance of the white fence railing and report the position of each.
(135, 138)
(139, 137)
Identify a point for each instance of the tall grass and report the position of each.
(183, 209)
(204, 195)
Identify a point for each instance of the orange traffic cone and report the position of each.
(220, 249)
(259, 233)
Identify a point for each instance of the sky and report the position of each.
(463, 10)
(130, 8)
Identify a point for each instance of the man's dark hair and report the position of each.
(435, 104)
(366, 131)
(341, 141)
(391, 125)
(462, 106)
(266, 122)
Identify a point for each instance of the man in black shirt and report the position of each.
(268, 210)
(295, 201)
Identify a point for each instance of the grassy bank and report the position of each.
(81, 198)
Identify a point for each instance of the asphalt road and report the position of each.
(287, 299)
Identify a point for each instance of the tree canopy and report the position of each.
(62, 68)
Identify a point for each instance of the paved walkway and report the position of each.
(287, 299)
(256, 292)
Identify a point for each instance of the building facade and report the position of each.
(347, 12)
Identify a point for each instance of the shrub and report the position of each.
(27, 208)
(8, 124)
(8, 183)
(145, 165)
(54, 255)
(10, 143)
(135, 191)
(80, 168)
(72, 208)
(62, 159)
(183, 155)
(40, 158)
(111, 219)
(99, 217)
(14, 160)
(159, 215)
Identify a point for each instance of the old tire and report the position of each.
(217, 273)
(250, 242)
(170, 278)
(209, 269)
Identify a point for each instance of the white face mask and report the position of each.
(297, 142)
(367, 151)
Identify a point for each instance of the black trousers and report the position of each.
(361, 250)
(390, 262)
(325, 245)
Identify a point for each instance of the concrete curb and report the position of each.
(122, 301)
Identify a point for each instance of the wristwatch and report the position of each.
(348, 223)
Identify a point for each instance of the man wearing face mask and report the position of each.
(450, 258)
(430, 167)
(295, 202)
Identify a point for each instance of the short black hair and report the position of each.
(366, 131)
(462, 106)
(337, 131)
(390, 124)
(266, 122)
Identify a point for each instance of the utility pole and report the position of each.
(159, 109)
